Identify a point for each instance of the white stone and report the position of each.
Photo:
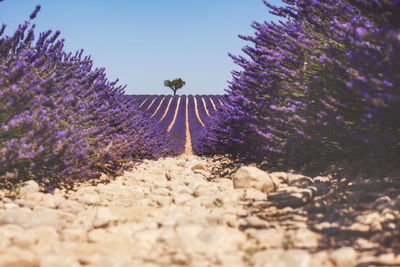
(51, 259)
(10, 206)
(281, 176)
(34, 196)
(4, 240)
(182, 199)
(90, 199)
(268, 238)
(52, 201)
(304, 238)
(29, 187)
(71, 206)
(345, 256)
(211, 240)
(369, 218)
(205, 190)
(103, 217)
(282, 258)
(27, 218)
(251, 193)
(252, 177)
(193, 181)
(18, 257)
(97, 235)
(75, 234)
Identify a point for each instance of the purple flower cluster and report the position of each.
(60, 119)
(320, 88)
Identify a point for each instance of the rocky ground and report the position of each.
(174, 212)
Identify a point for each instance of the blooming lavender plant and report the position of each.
(60, 119)
(319, 89)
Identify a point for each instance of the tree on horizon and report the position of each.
(175, 85)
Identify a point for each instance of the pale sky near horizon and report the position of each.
(144, 42)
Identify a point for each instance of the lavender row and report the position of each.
(318, 91)
(177, 128)
(61, 120)
(195, 123)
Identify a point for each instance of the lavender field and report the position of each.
(183, 117)
(297, 164)
(305, 88)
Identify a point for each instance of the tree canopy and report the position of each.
(175, 84)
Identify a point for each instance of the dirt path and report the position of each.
(169, 213)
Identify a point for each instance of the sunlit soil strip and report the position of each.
(144, 101)
(222, 104)
(205, 106)
(176, 113)
(197, 111)
(188, 143)
(151, 103)
(159, 105)
(166, 110)
(212, 103)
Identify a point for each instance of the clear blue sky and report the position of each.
(144, 42)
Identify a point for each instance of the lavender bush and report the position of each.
(317, 90)
(60, 119)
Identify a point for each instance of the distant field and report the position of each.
(182, 116)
